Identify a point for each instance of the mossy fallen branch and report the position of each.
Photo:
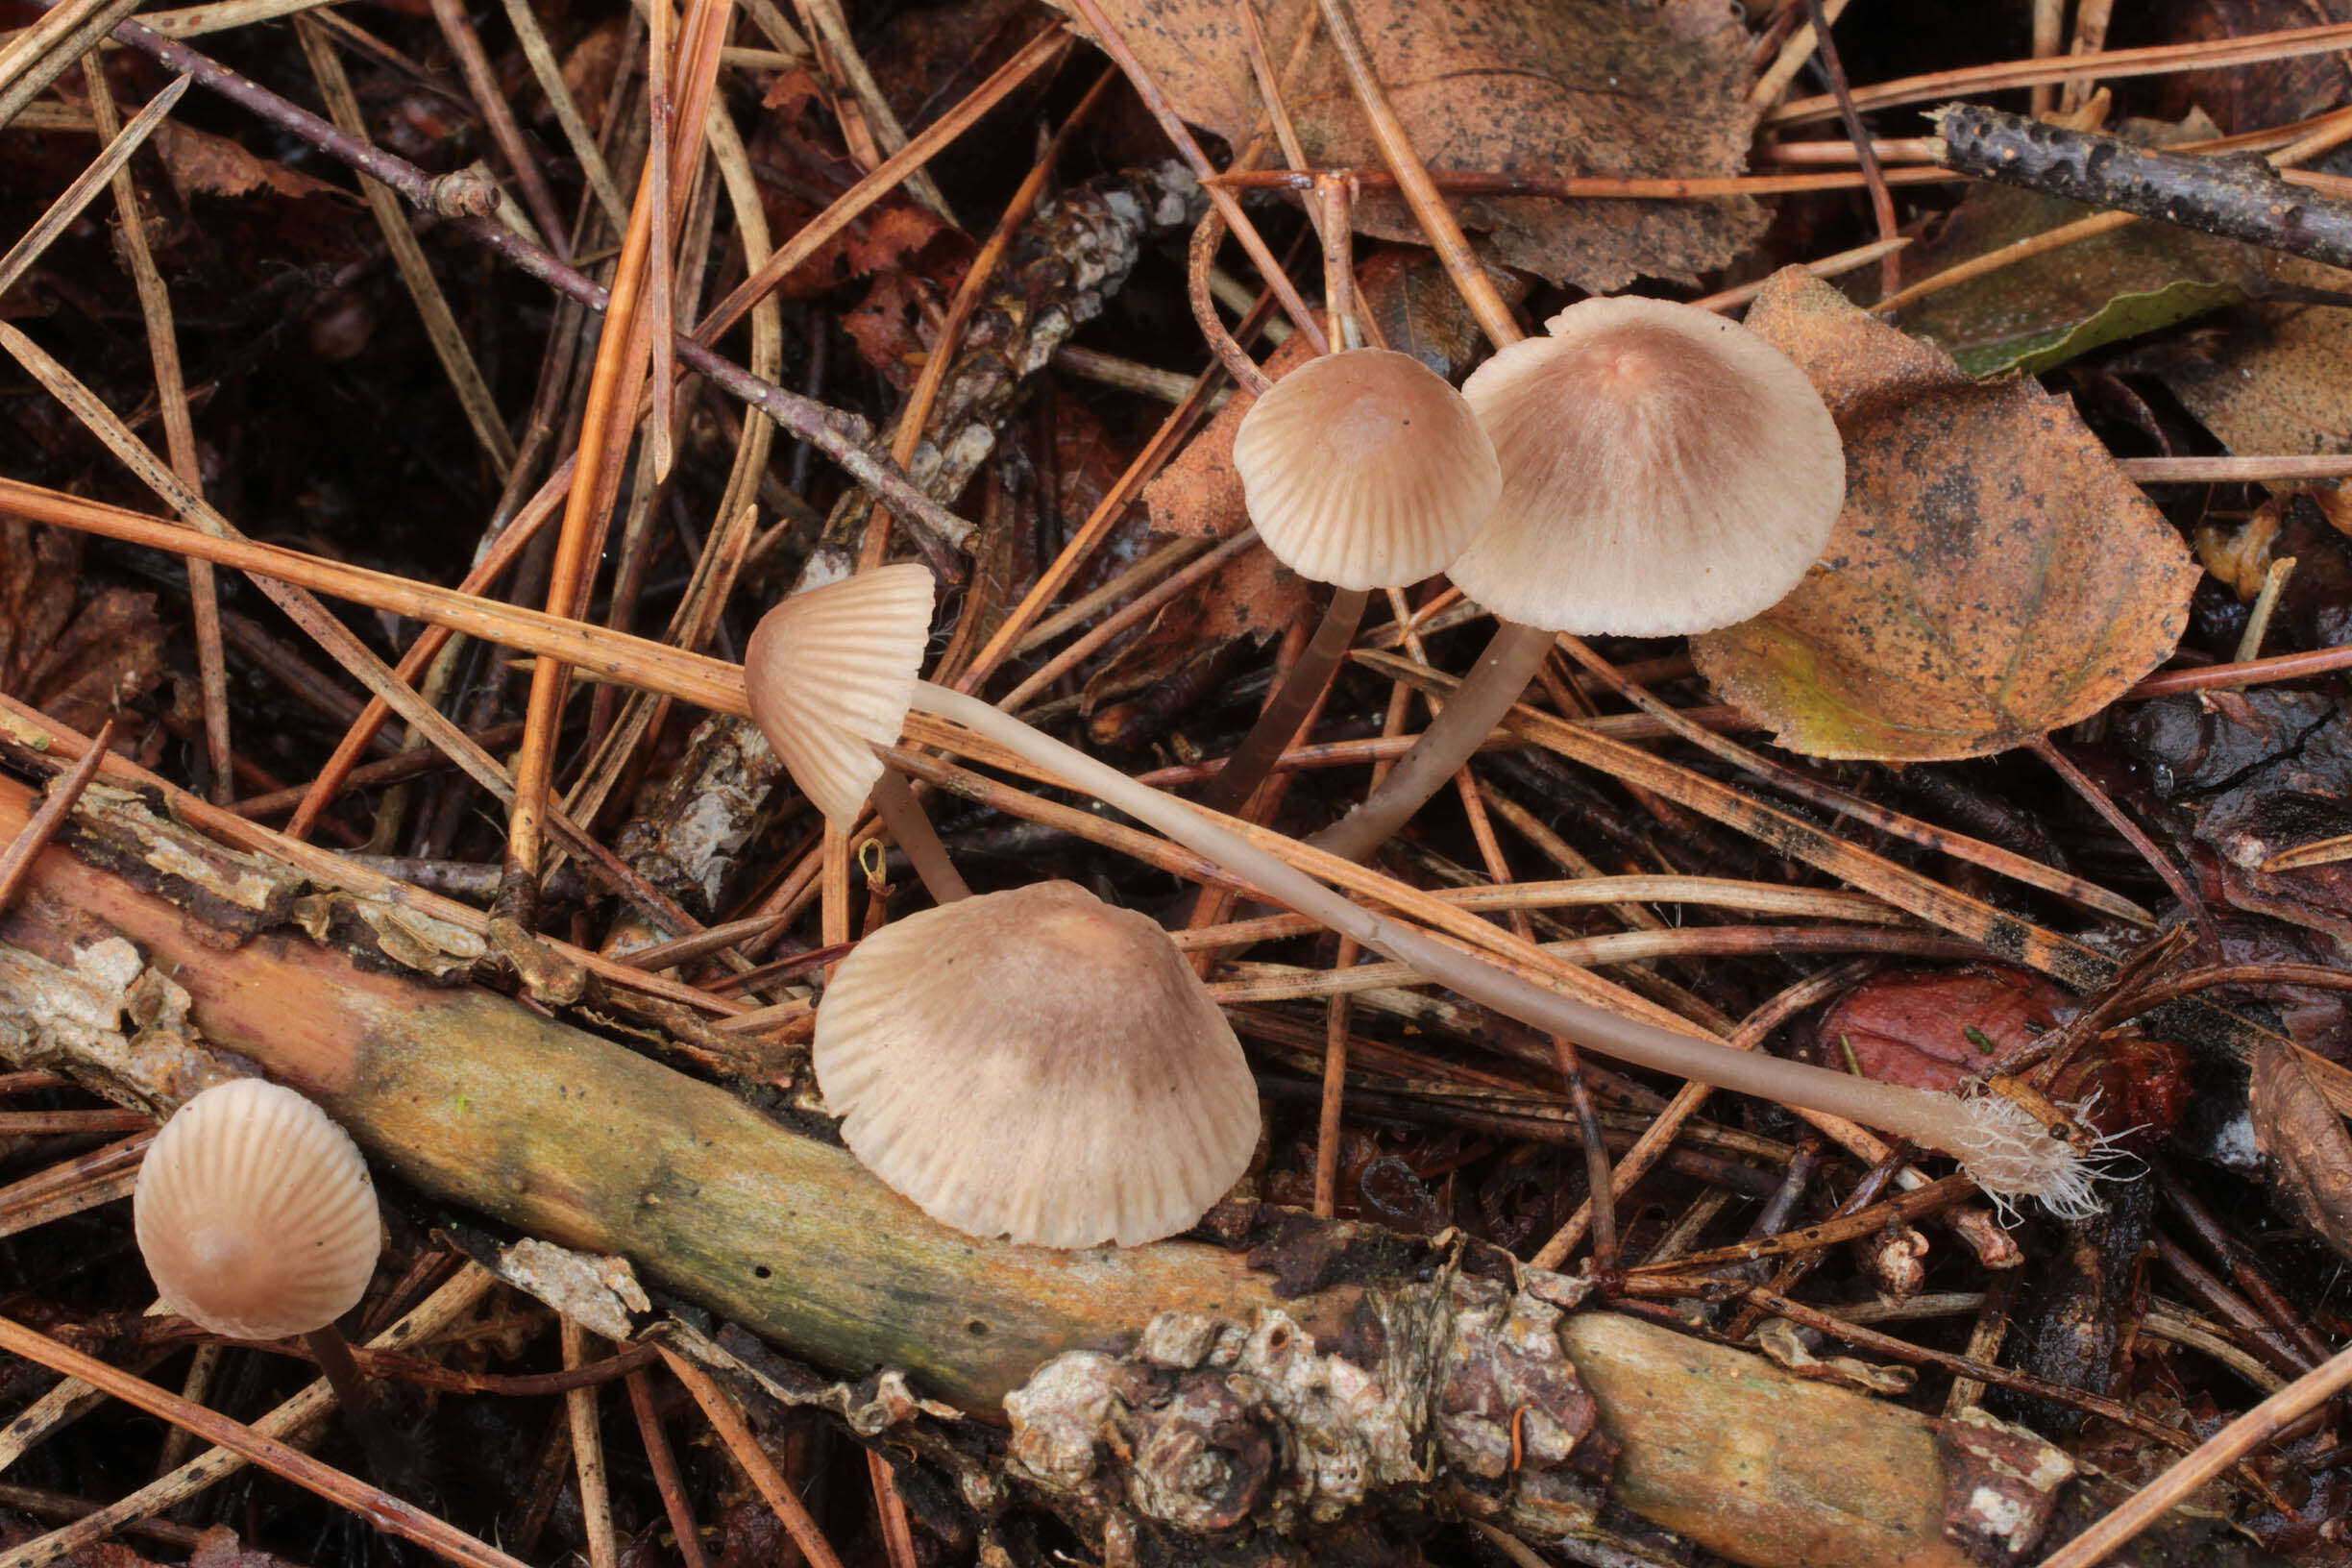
(1174, 1391)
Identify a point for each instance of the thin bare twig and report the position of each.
(17, 860)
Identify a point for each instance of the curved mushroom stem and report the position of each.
(1280, 720)
(1510, 661)
(2005, 1158)
(909, 828)
(333, 1352)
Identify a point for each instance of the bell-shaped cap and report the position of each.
(256, 1213)
(830, 675)
(1664, 471)
(1037, 1064)
(1365, 468)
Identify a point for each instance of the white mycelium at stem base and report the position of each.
(2004, 1150)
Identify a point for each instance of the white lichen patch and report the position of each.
(110, 1021)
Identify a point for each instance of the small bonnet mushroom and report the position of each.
(1039, 1065)
(1664, 471)
(256, 1213)
(1363, 470)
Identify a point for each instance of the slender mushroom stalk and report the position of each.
(1363, 470)
(257, 1220)
(2007, 1152)
(1039, 1065)
(1664, 471)
(910, 827)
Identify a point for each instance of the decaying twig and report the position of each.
(1273, 1393)
(2241, 198)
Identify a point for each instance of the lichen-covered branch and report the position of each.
(1262, 1400)
(2239, 198)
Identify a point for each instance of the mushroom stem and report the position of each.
(909, 828)
(1510, 661)
(1280, 720)
(2005, 1158)
(333, 1352)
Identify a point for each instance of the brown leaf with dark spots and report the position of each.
(1519, 86)
(200, 164)
(2309, 1153)
(2271, 377)
(1993, 575)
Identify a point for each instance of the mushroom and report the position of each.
(1363, 470)
(257, 1220)
(1664, 469)
(831, 676)
(2004, 1148)
(1039, 1065)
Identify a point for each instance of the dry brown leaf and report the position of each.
(80, 668)
(589, 69)
(1198, 494)
(2244, 97)
(200, 164)
(1992, 576)
(2311, 1155)
(2272, 378)
(1179, 657)
(1419, 312)
(1521, 86)
(883, 325)
(1938, 1028)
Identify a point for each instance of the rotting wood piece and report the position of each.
(1447, 1377)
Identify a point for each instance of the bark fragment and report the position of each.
(1455, 1388)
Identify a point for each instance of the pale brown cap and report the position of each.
(1664, 469)
(1365, 468)
(256, 1213)
(1039, 1065)
(830, 675)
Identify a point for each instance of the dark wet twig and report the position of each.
(1793, 1270)
(1866, 152)
(2238, 198)
(2114, 817)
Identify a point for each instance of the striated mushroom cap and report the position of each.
(256, 1213)
(1039, 1065)
(1365, 468)
(1664, 471)
(832, 674)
